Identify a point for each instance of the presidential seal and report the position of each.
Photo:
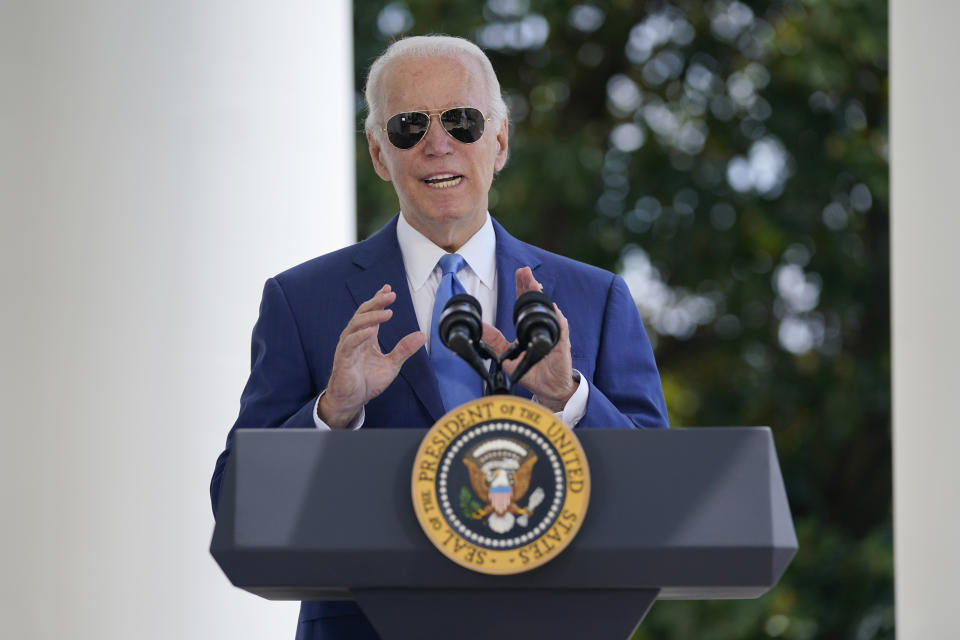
(500, 485)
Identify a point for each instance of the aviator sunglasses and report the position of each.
(464, 124)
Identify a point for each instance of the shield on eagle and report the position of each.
(500, 471)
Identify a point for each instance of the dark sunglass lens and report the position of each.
(404, 130)
(465, 124)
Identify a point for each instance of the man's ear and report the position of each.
(378, 164)
(502, 146)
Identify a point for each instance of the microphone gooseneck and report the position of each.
(461, 327)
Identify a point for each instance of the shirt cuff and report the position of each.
(576, 406)
(357, 422)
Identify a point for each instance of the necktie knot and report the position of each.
(451, 263)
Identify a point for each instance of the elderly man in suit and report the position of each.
(348, 340)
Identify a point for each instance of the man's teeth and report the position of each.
(443, 180)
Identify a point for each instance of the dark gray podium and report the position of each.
(678, 514)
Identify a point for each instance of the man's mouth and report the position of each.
(443, 180)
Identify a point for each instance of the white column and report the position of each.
(925, 111)
(158, 161)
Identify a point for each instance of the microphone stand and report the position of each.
(498, 382)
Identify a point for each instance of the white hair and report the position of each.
(429, 47)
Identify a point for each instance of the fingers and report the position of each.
(526, 282)
(494, 339)
(372, 312)
(380, 300)
(367, 319)
(349, 342)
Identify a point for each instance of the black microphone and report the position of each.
(460, 329)
(537, 329)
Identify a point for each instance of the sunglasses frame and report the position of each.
(439, 113)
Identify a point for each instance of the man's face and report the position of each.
(448, 210)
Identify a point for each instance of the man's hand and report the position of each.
(361, 371)
(551, 379)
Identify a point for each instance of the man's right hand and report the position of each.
(361, 371)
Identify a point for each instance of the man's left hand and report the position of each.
(551, 379)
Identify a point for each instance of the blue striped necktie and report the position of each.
(457, 381)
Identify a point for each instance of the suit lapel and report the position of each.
(381, 263)
(511, 255)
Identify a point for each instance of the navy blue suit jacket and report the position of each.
(304, 309)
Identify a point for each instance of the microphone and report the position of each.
(460, 329)
(537, 330)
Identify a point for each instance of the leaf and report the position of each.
(468, 503)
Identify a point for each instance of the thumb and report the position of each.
(407, 347)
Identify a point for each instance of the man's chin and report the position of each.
(447, 227)
(452, 215)
(463, 218)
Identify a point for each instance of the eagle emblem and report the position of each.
(494, 479)
(500, 471)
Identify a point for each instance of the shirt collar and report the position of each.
(420, 255)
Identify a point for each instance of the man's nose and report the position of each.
(437, 142)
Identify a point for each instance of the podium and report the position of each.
(673, 514)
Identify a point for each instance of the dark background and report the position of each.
(730, 160)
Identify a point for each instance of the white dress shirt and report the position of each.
(479, 279)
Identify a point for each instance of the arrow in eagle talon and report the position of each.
(535, 499)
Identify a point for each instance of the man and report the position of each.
(342, 340)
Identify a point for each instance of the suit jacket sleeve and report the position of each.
(280, 392)
(625, 391)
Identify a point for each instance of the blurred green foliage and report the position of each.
(730, 160)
